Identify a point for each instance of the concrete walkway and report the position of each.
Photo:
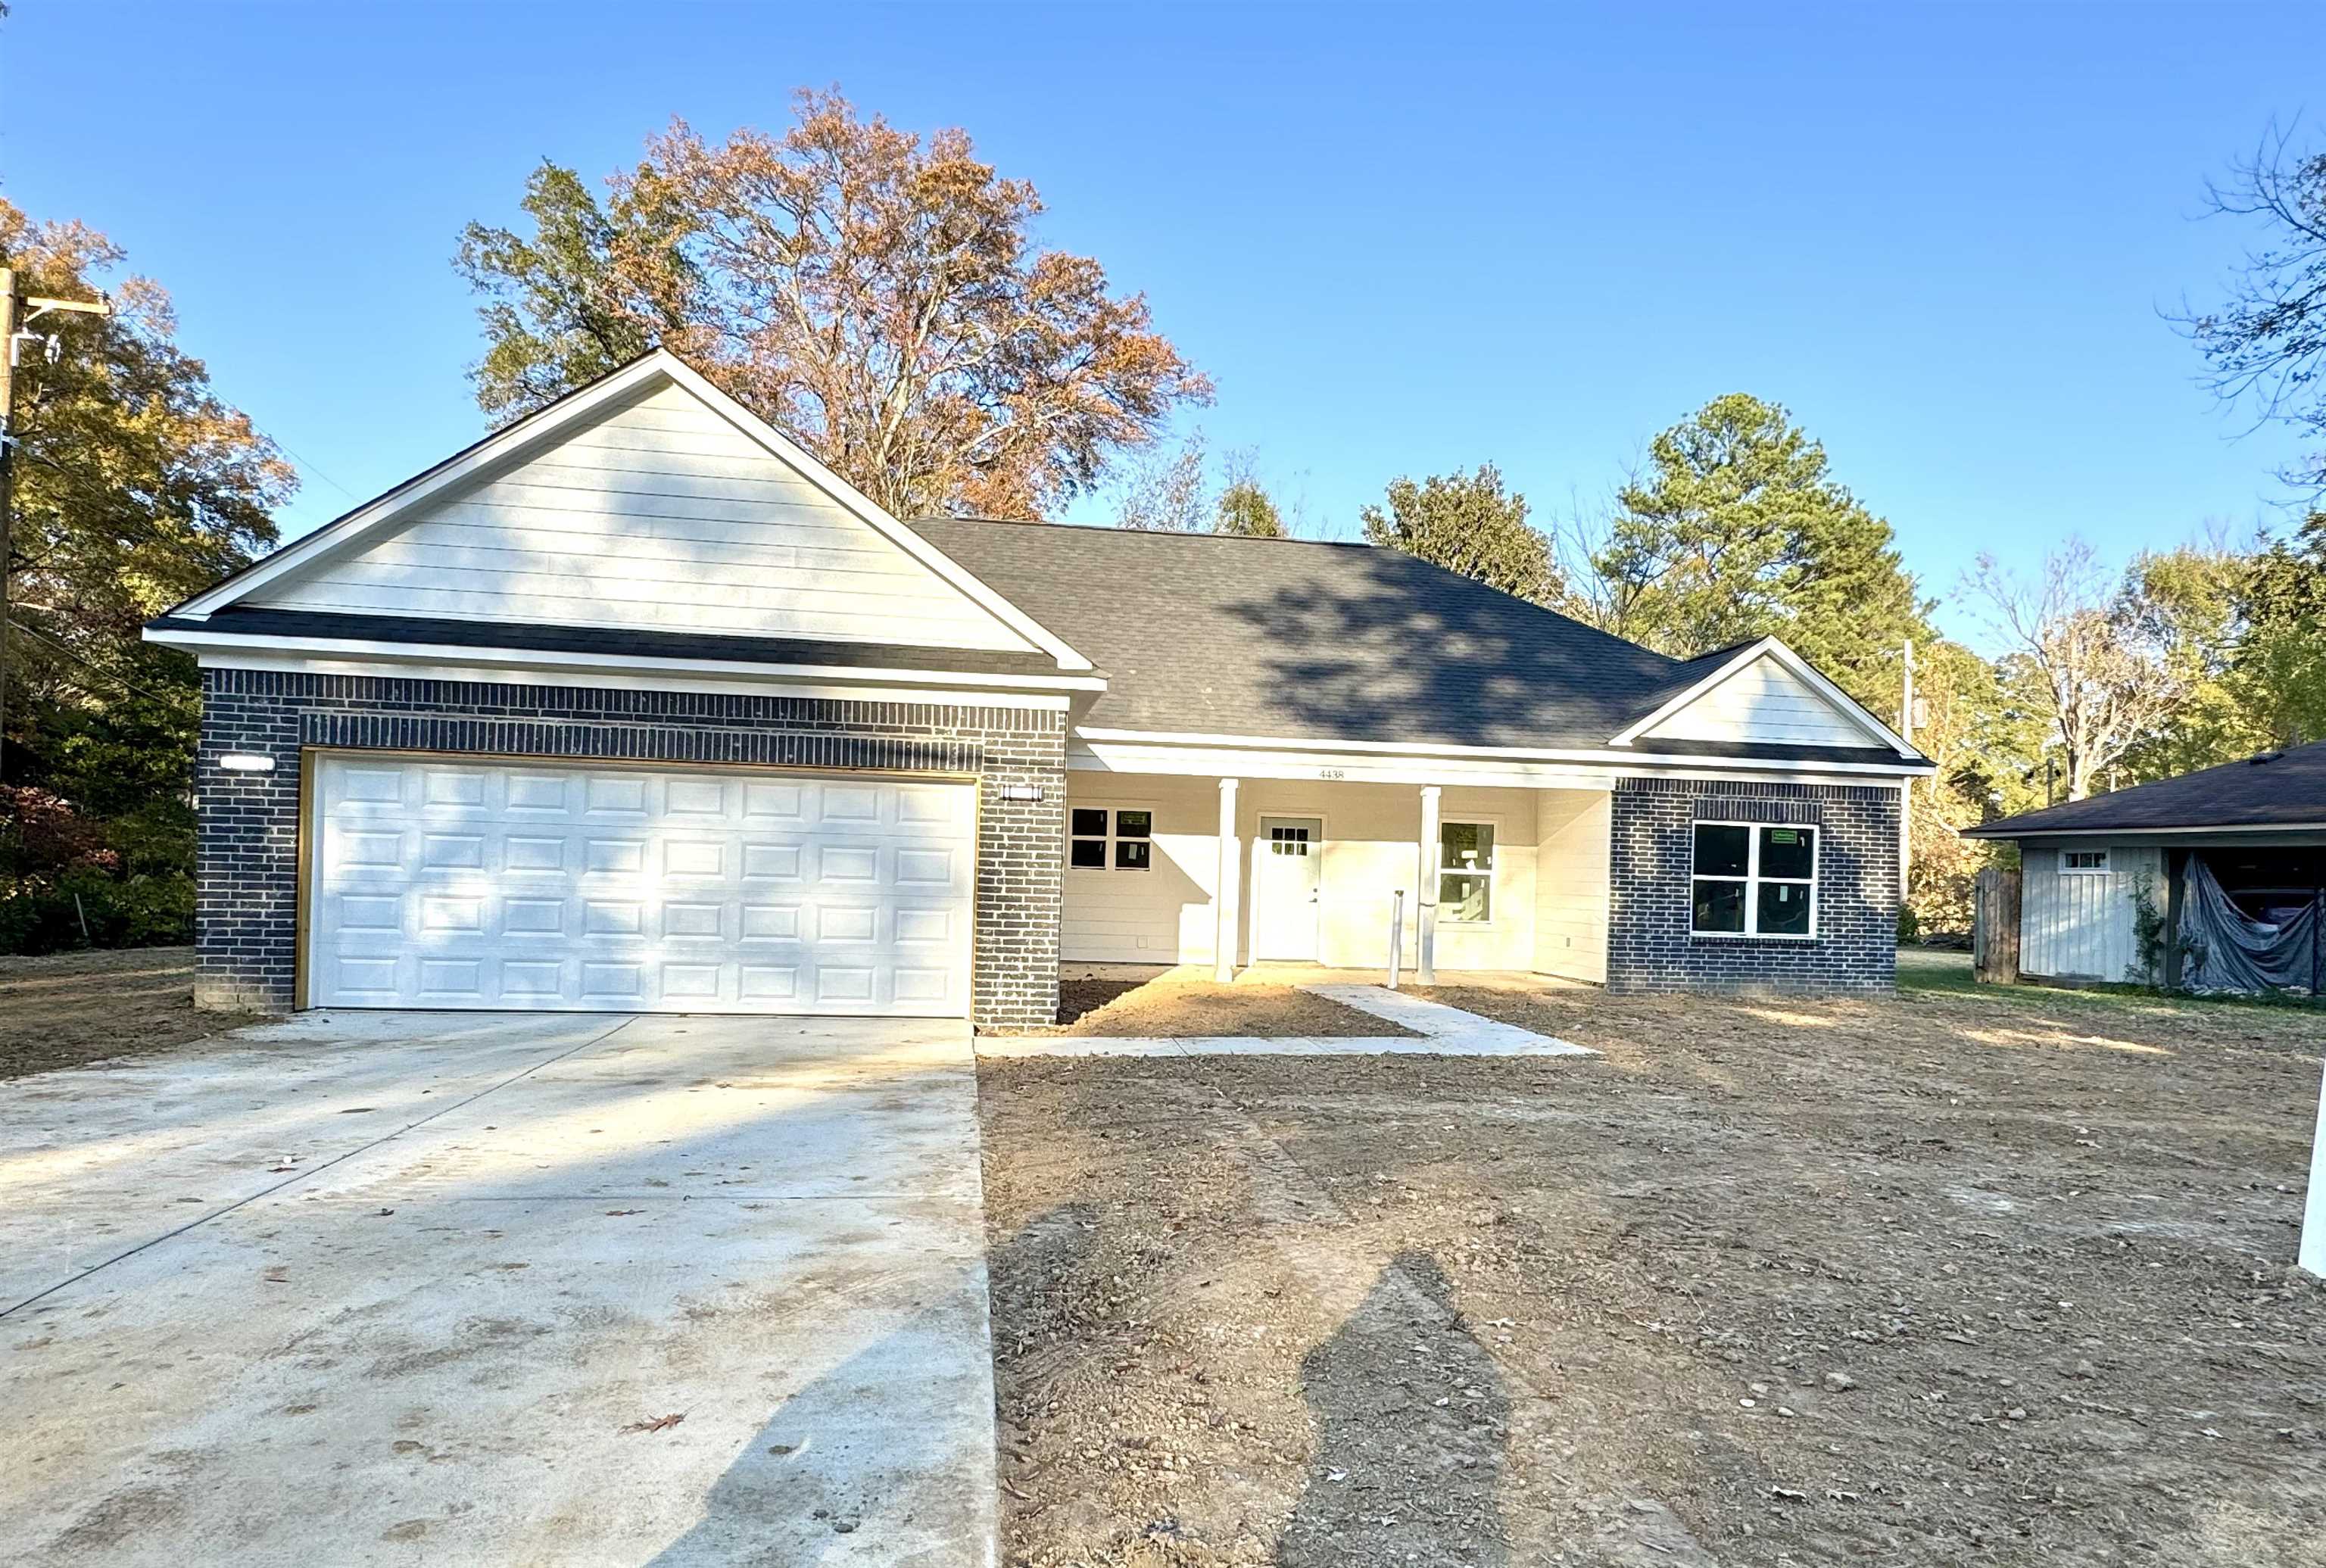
(1442, 1030)
(428, 1288)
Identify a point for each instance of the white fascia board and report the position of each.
(302, 664)
(223, 649)
(538, 428)
(1631, 761)
(1793, 664)
(1127, 757)
(2033, 835)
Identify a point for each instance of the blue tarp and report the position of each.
(2224, 948)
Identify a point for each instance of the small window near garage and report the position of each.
(1466, 872)
(2085, 862)
(1101, 837)
(1754, 879)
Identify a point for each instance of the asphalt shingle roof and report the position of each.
(1201, 635)
(2285, 792)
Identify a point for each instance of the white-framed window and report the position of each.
(2084, 862)
(1466, 873)
(1754, 879)
(1110, 838)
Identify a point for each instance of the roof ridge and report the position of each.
(1142, 532)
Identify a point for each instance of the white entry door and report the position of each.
(441, 883)
(1291, 853)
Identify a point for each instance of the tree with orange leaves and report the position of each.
(877, 296)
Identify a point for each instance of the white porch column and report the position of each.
(1425, 903)
(2313, 1256)
(1224, 902)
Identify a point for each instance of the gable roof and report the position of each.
(504, 450)
(1206, 636)
(2287, 790)
(1721, 668)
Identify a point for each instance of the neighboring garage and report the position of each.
(446, 882)
(2214, 881)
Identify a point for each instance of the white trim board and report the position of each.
(1381, 762)
(635, 380)
(2131, 835)
(1845, 705)
(423, 661)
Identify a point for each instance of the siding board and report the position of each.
(659, 517)
(2079, 925)
(1570, 921)
(1764, 702)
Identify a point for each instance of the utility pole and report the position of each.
(1906, 784)
(13, 336)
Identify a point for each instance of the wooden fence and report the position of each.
(1994, 927)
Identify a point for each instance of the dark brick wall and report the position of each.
(1649, 945)
(247, 909)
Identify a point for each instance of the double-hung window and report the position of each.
(1754, 879)
(1466, 872)
(1120, 838)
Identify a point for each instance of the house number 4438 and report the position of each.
(1333, 772)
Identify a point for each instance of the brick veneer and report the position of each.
(1650, 901)
(247, 908)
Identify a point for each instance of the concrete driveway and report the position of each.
(411, 1288)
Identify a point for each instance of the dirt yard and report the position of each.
(70, 1009)
(1130, 1009)
(1960, 1276)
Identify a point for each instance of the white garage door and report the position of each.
(449, 884)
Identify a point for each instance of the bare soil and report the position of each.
(1962, 1276)
(1180, 1010)
(70, 1009)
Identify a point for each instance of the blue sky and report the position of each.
(1401, 240)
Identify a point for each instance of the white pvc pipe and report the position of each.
(2313, 1256)
(1396, 933)
(1224, 902)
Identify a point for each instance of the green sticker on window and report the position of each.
(1784, 835)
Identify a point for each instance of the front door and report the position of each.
(1291, 866)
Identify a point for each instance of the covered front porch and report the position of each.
(1493, 878)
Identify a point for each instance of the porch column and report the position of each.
(1425, 903)
(1224, 902)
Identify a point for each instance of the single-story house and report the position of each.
(2212, 881)
(634, 705)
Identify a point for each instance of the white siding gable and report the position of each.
(661, 515)
(1767, 704)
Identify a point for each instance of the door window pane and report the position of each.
(1723, 849)
(1787, 852)
(1719, 905)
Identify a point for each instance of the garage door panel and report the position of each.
(540, 887)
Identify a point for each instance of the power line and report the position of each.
(124, 682)
(319, 473)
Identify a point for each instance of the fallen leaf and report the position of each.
(656, 1424)
(617, 1213)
